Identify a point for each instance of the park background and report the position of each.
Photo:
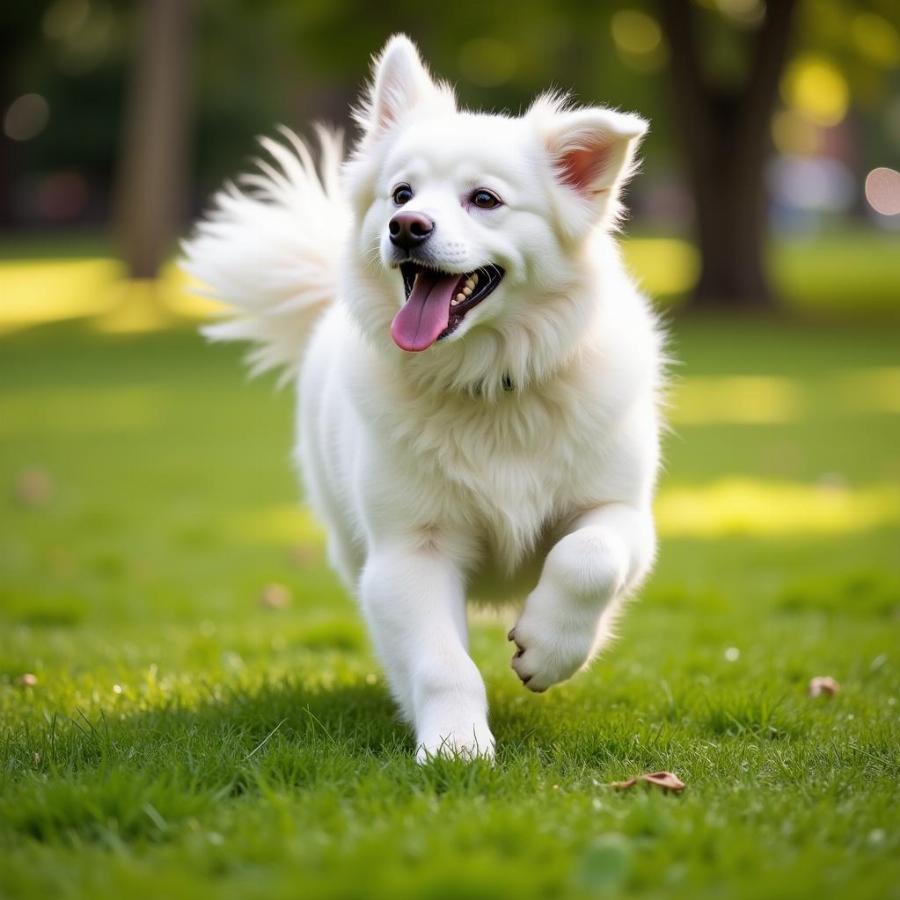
(188, 702)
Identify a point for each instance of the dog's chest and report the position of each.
(509, 470)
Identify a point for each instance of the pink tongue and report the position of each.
(426, 313)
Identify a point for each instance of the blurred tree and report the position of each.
(708, 80)
(723, 127)
(152, 178)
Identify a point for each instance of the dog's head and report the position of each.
(473, 228)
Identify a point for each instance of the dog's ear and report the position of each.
(400, 82)
(591, 151)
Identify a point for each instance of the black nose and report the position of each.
(409, 229)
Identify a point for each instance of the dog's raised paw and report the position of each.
(545, 657)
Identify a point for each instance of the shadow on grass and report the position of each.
(100, 776)
(146, 776)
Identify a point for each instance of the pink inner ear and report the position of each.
(583, 167)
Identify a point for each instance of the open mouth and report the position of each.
(437, 302)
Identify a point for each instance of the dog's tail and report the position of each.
(269, 249)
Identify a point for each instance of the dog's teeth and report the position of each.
(470, 282)
(474, 278)
(467, 291)
(458, 299)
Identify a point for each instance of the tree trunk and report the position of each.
(725, 142)
(152, 179)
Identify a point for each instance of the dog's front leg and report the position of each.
(414, 602)
(568, 616)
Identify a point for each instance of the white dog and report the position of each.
(478, 376)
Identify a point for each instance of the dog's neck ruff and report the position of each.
(520, 355)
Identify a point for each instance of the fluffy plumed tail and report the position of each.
(269, 249)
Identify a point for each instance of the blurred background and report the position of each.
(770, 177)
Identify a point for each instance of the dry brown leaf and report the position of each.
(665, 781)
(275, 596)
(304, 555)
(34, 487)
(823, 686)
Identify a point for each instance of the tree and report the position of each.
(724, 136)
(152, 180)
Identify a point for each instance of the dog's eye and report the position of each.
(402, 194)
(485, 199)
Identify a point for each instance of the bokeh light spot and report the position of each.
(816, 87)
(638, 39)
(635, 31)
(795, 134)
(742, 12)
(876, 39)
(26, 117)
(883, 191)
(64, 18)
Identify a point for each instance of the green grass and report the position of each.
(182, 739)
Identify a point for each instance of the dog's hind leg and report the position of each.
(568, 617)
(414, 601)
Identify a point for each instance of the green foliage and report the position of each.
(183, 739)
(256, 63)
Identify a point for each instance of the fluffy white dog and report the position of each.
(478, 375)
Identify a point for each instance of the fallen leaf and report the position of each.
(34, 487)
(823, 685)
(665, 781)
(275, 596)
(27, 680)
(305, 555)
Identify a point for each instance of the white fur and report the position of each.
(433, 481)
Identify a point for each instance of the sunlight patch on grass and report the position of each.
(751, 400)
(730, 506)
(766, 508)
(777, 400)
(149, 305)
(847, 273)
(875, 390)
(285, 524)
(664, 266)
(37, 291)
(33, 292)
(136, 306)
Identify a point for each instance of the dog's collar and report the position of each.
(508, 385)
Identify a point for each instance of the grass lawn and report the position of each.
(183, 738)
